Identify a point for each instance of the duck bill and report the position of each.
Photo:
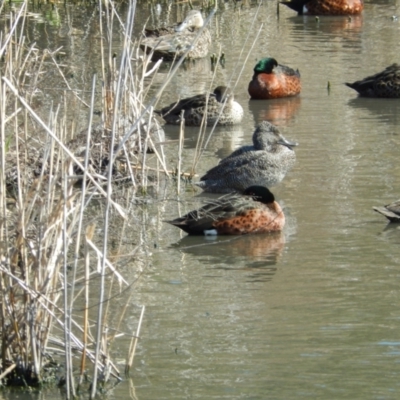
(287, 143)
(183, 25)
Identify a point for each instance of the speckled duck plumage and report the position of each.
(265, 163)
(172, 42)
(383, 84)
(219, 105)
(28, 168)
(100, 143)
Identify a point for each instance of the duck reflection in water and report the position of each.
(279, 112)
(386, 111)
(256, 254)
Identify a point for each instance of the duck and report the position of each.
(172, 42)
(383, 84)
(325, 7)
(100, 144)
(254, 211)
(264, 163)
(272, 80)
(23, 166)
(219, 106)
(390, 211)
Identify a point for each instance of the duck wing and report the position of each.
(248, 162)
(225, 207)
(296, 5)
(389, 78)
(158, 32)
(190, 103)
(287, 70)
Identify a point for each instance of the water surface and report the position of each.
(313, 312)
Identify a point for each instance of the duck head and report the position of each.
(267, 137)
(265, 65)
(260, 193)
(193, 20)
(223, 93)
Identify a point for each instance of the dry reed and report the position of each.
(49, 246)
(57, 271)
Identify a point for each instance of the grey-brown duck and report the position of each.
(100, 142)
(172, 42)
(382, 84)
(217, 106)
(265, 163)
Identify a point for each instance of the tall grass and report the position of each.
(57, 272)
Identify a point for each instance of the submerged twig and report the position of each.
(133, 344)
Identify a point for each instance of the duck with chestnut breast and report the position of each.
(325, 7)
(255, 211)
(272, 80)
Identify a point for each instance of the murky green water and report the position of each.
(311, 313)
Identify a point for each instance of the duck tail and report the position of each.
(391, 216)
(361, 87)
(296, 5)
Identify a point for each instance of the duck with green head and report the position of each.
(218, 107)
(325, 7)
(172, 42)
(383, 84)
(272, 80)
(256, 211)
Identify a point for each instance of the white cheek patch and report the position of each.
(210, 232)
(305, 11)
